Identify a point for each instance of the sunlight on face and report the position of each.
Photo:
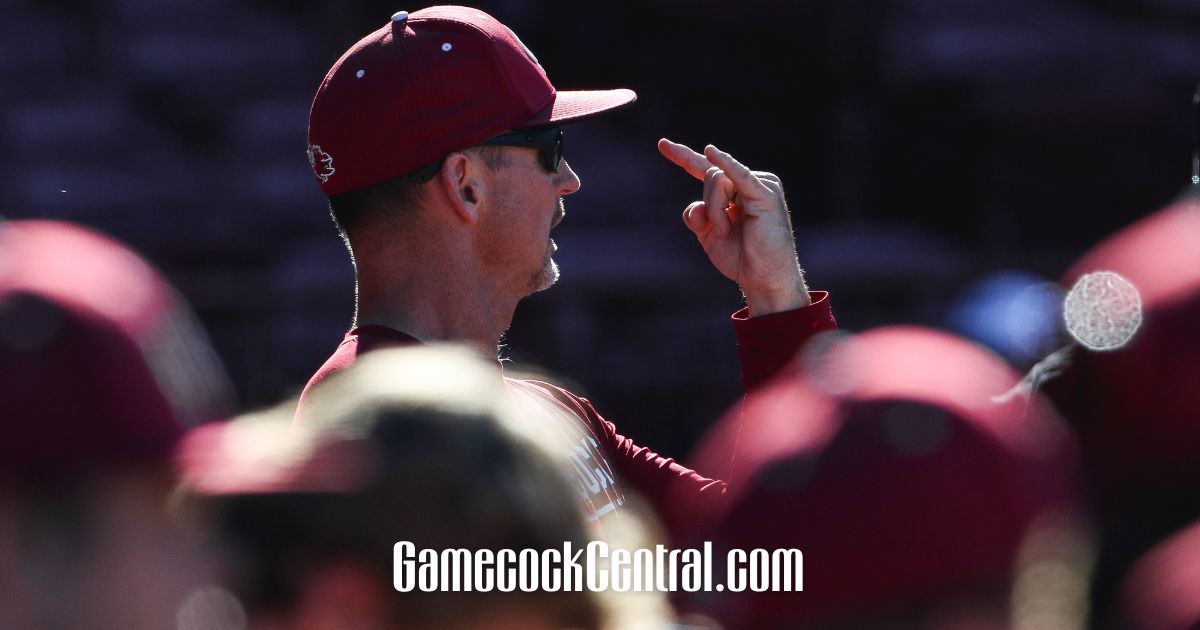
(548, 274)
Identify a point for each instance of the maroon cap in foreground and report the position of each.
(355, 423)
(892, 466)
(426, 84)
(264, 454)
(99, 363)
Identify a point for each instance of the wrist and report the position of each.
(788, 298)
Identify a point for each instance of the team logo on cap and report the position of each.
(322, 162)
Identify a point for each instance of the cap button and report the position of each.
(400, 16)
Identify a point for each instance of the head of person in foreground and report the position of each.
(101, 369)
(418, 445)
(918, 495)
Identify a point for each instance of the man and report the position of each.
(101, 367)
(917, 499)
(420, 445)
(1134, 406)
(437, 141)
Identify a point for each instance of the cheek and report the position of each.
(519, 224)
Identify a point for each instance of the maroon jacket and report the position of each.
(604, 460)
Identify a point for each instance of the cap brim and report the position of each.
(267, 456)
(570, 106)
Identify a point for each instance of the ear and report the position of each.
(462, 182)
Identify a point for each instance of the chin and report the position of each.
(546, 277)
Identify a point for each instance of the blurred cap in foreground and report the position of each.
(101, 369)
(419, 444)
(909, 486)
(100, 362)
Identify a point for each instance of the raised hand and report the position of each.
(743, 225)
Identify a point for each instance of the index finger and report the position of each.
(683, 156)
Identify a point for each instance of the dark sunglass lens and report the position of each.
(551, 150)
(558, 147)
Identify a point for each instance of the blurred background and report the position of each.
(943, 159)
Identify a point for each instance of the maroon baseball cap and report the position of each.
(426, 84)
(100, 363)
(387, 401)
(893, 465)
(263, 454)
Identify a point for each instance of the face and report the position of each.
(528, 203)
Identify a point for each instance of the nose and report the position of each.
(566, 180)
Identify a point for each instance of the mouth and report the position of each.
(558, 217)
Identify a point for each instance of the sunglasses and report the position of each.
(547, 140)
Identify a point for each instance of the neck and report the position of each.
(434, 293)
